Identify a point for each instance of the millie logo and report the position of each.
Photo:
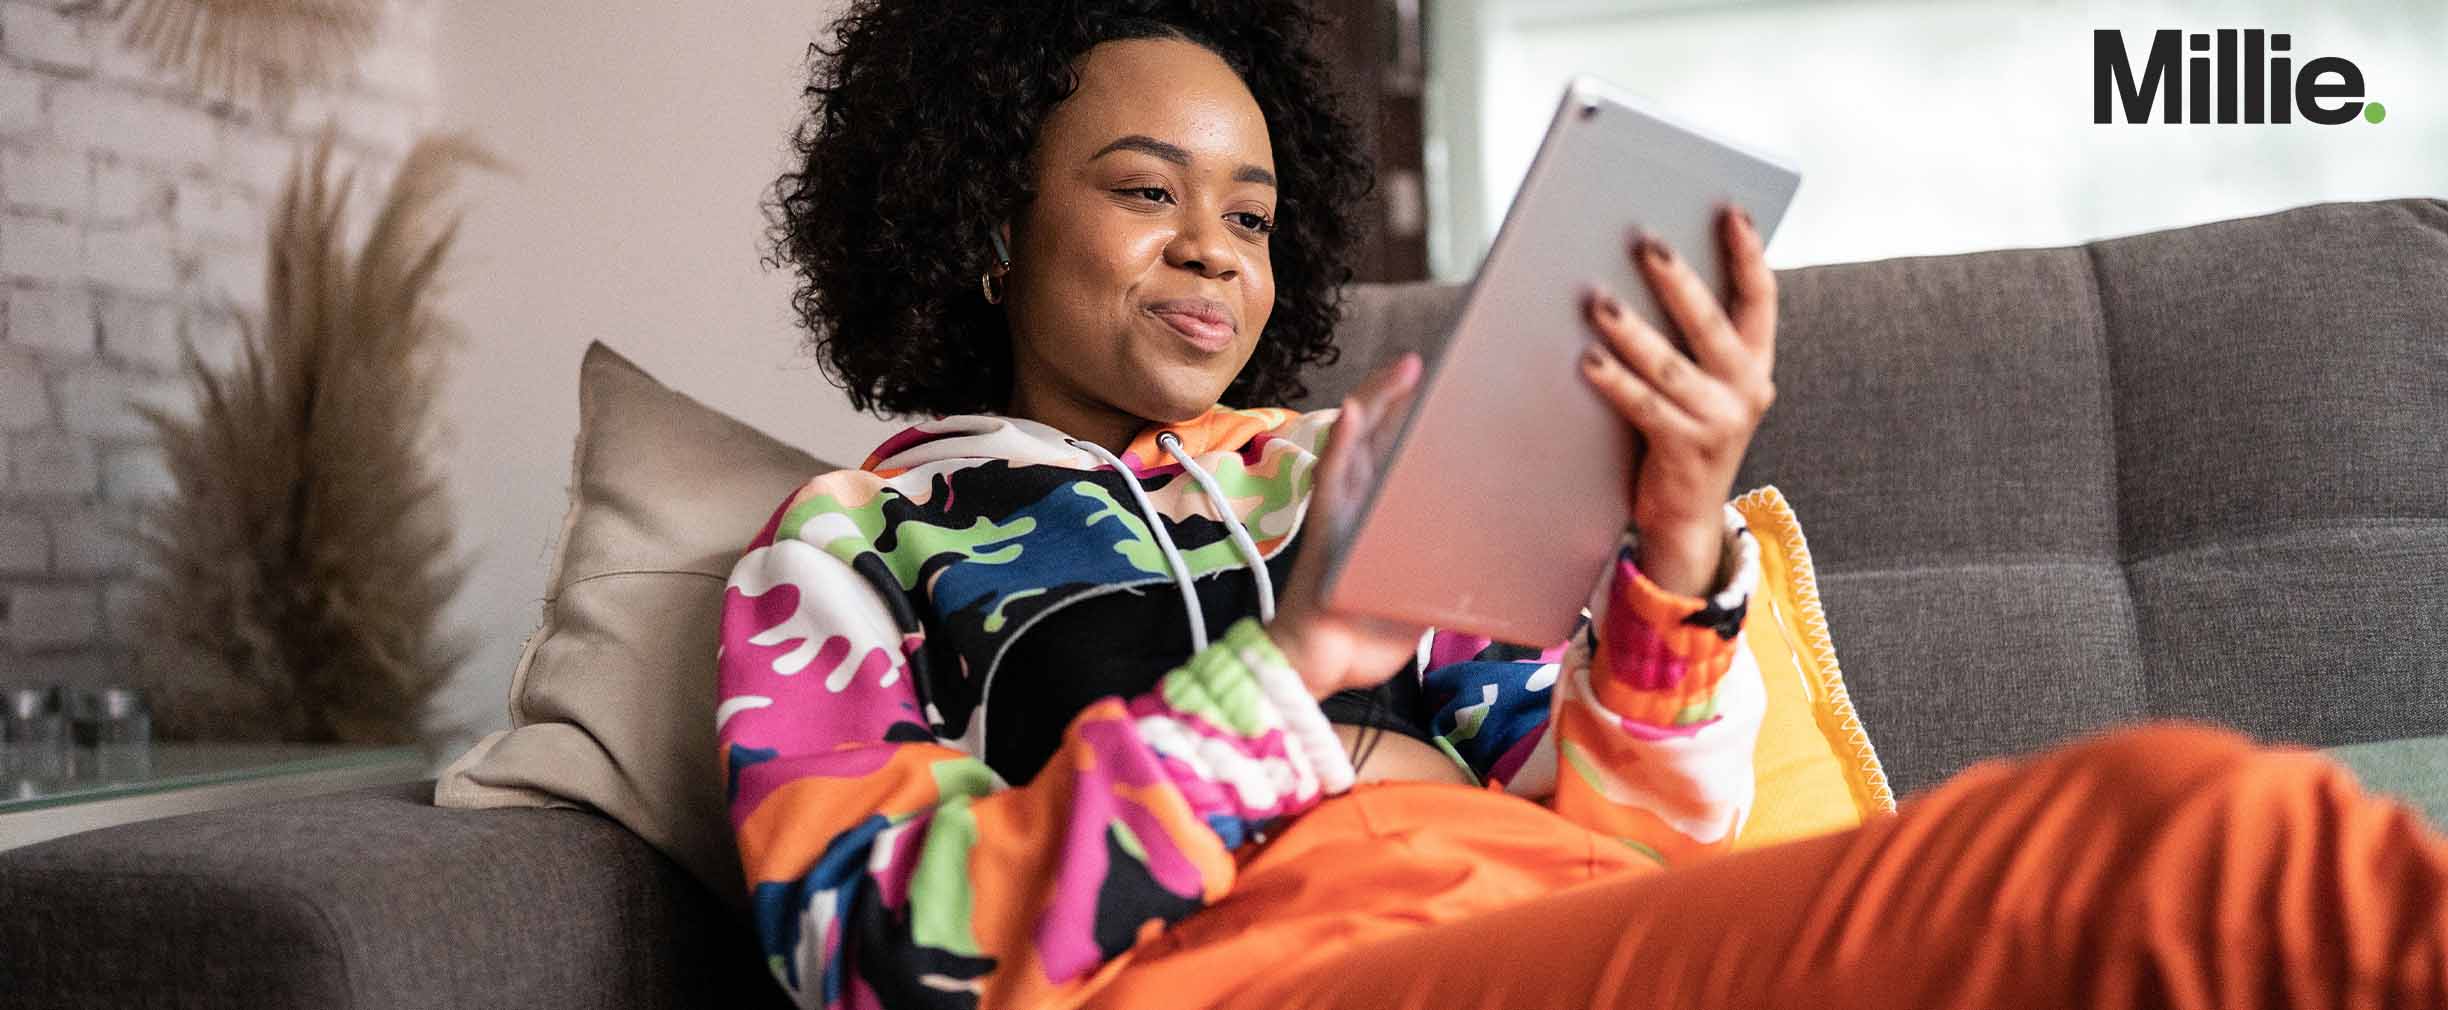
(2112, 74)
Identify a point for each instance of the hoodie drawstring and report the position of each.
(1232, 525)
(1242, 542)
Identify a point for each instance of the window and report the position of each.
(1929, 127)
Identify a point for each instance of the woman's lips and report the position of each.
(1205, 326)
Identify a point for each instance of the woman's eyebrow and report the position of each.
(1149, 145)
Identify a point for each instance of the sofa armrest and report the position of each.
(364, 899)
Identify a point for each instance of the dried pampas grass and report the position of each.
(249, 50)
(306, 556)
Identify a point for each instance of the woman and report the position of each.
(1038, 706)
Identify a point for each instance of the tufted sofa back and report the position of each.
(2193, 473)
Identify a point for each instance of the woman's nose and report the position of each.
(1203, 247)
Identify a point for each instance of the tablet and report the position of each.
(1503, 495)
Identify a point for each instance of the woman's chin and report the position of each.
(1181, 393)
(1180, 411)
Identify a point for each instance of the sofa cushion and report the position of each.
(368, 899)
(2193, 473)
(611, 706)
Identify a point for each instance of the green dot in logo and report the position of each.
(2374, 112)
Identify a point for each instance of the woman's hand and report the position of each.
(1696, 402)
(1334, 650)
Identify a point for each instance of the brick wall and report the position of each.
(129, 208)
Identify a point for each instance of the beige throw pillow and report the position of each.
(611, 707)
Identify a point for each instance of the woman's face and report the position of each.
(1140, 280)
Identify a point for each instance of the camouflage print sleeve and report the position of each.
(1641, 724)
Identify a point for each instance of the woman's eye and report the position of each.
(1251, 220)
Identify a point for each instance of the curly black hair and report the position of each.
(916, 141)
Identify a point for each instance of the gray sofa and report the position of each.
(2194, 473)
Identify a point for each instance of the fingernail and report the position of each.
(1610, 308)
(1592, 357)
(1744, 217)
(1652, 249)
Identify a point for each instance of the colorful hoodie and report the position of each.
(901, 854)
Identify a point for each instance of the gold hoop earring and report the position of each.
(993, 292)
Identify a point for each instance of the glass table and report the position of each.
(101, 786)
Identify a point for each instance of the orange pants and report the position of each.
(2164, 866)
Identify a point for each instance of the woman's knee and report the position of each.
(2144, 775)
(2159, 751)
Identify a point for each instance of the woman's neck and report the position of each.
(1073, 416)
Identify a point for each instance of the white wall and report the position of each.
(1933, 126)
(646, 135)
(131, 207)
